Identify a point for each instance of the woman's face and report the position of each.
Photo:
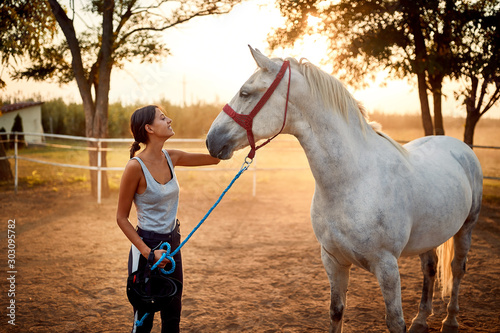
(162, 125)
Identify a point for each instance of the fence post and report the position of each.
(99, 175)
(15, 163)
(254, 186)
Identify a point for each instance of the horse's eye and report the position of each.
(244, 94)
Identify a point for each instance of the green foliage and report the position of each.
(61, 118)
(118, 32)
(192, 121)
(28, 28)
(430, 39)
(119, 120)
(478, 54)
(371, 35)
(25, 27)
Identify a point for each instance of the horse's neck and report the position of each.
(334, 146)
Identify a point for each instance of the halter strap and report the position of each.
(246, 121)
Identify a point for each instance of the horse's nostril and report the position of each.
(214, 145)
(223, 152)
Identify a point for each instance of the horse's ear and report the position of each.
(262, 61)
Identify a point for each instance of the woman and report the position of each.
(150, 182)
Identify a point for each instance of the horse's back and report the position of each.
(445, 151)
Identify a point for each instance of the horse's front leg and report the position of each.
(387, 273)
(338, 275)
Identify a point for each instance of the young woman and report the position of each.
(149, 181)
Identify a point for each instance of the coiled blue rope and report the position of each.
(170, 256)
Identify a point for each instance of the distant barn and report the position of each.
(31, 116)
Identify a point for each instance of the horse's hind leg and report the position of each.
(429, 267)
(462, 242)
(338, 275)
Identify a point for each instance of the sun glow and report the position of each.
(313, 21)
(313, 47)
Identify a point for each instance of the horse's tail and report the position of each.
(445, 253)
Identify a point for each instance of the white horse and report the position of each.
(374, 199)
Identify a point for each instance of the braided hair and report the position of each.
(138, 121)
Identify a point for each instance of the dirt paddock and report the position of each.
(254, 266)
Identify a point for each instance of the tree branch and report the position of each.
(77, 64)
(124, 19)
(492, 101)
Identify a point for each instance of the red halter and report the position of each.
(246, 121)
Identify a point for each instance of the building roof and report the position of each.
(18, 106)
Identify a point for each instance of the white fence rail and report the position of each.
(99, 168)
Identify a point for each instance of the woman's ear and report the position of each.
(148, 128)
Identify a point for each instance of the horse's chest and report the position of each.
(330, 225)
(354, 229)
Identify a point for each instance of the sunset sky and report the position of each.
(210, 61)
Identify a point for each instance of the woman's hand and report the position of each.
(158, 254)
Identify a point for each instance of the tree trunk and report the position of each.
(419, 64)
(473, 112)
(424, 105)
(470, 125)
(443, 68)
(100, 120)
(438, 116)
(5, 171)
(436, 82)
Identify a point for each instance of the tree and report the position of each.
(128, 29)
(406, 37)
(24, 28)
(480, 59)
(5, 171)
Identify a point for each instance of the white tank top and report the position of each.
(157, 206)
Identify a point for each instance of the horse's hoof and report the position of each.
(449, 328)
(418, 328)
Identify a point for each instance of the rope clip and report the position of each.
(246, 163)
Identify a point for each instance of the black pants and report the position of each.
(171, 314)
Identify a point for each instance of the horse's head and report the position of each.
(226, 135)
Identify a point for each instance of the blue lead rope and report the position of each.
(170, 256)
(139, 323)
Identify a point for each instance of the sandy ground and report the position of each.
(254, 266)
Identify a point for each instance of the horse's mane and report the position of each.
(336, 97)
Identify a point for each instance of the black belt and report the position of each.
(158, 236)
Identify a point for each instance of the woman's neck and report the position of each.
(153, 150)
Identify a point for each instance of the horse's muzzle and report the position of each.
(219, 145)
